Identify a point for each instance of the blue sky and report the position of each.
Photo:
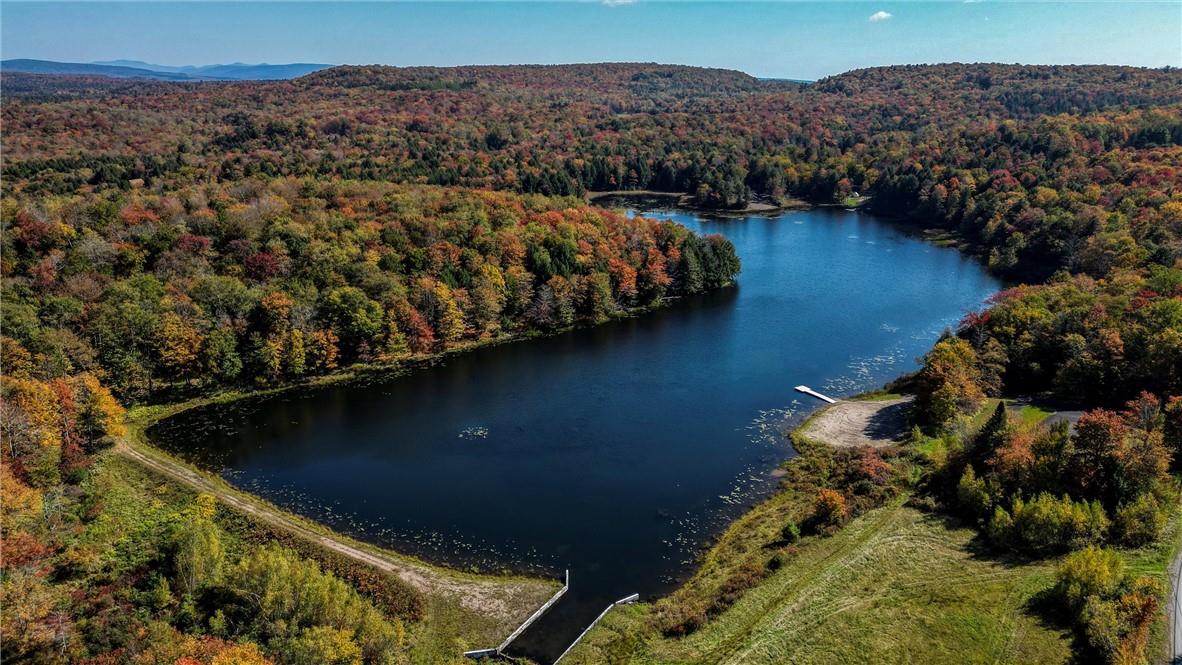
(783, 39)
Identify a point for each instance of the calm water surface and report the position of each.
(614, 451)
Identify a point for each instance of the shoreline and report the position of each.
(684, 201)
(497, 599)
(147, 415)
(141, 418)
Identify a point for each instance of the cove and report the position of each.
(614, 451)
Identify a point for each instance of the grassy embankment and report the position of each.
(458, 610)
(899, 582)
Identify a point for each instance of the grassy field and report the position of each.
(897, 583)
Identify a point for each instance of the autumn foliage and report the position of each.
(150, 291)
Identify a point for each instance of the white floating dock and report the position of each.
(809, 391)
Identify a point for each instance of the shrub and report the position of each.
(1137, 608)
(1000, 528)
(872, 467)
(971, 495)
(1102, 626)
(323, 645)
(389, 592)
(746, 577)
(829, 509)
(677, 619)
(790, 533)
(1140, 522)
(1046, 525)
(1091, 571)
(286, 595)
(1115, 615)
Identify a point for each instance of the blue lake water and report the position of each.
(614, 451)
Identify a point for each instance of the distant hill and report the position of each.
(114, 71)
(143, 70)
(235, 71)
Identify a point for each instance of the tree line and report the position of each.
(262, 282)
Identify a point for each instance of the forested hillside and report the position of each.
(260, 282)
(162, 239)
(1023, 160)
(1041, 169)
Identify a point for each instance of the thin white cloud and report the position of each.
(617, 3)
(880, 16)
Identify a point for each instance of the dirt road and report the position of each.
(509, 600)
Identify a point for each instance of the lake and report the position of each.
(614, 451)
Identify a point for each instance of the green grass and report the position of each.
(877, 396)
(935, 448)
(854, 201)
(978, 419)
(1030, 416)
(897, 583)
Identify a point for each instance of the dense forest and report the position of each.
(260, 282)
(162, 239)
(1024, 161)
(1063, 172)
(265, 281)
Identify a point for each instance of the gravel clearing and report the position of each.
(849, 424)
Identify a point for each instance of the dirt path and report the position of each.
(510, 600)
(876, 423)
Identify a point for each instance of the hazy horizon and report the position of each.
(797, 40)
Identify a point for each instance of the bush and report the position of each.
(679, 619)
(871, 467)
(388, 591)
(1137, 608)
(1113, 613)
(285, 596)
(1102, 626)
(323, 645)
(746, 577)
(1091, 571)
(675, 619)
(1140, 522)
(1000, 529)
(972, 496)
(1047, 525)
(829, 509)
(791, 533)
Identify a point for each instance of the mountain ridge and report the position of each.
(135, 69)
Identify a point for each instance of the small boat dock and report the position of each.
(809, 391)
